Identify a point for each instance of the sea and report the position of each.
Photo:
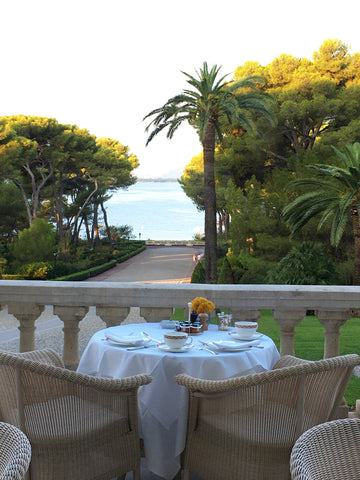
(155, 211)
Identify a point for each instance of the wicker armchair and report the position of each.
(15, 452)
(245, 427)
(79, 427)
(329, 451)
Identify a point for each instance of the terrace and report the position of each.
(112, 301)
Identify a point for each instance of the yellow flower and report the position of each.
(202, 305)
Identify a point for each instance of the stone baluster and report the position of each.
(288, 319)
(71, 316)
(332, 322)
(156, 314)
(112, 316)
(356, 412)
(26, 314)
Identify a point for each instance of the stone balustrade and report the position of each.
(26, 300)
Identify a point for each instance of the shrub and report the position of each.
(35, 244)
(248, 269)
(198, 275)
(305, 264)
(101, 268)
(65, 268)
(37, 271)
(78, 276)
(226, 273)
(9, 276)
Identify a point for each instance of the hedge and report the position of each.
(92, 272)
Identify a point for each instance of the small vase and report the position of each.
(204, 321)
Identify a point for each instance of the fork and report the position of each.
(208, 350)
(205, 347)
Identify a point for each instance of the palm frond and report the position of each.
(350, 156)
(211, 98)
(250, 81)
(315, 182)
(341, 219)
(298, 213)
(342, 175)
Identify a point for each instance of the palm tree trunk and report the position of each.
(210, 205)
(356, 230)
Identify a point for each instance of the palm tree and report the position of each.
(206, 107)
(335, 193)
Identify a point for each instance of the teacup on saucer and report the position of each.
(246, 329)
(177, 339)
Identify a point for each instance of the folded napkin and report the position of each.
(233, 345)
(127, 339)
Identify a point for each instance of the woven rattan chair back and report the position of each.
(15, 452)
(245, 427)
(329, 451)
(79, 427)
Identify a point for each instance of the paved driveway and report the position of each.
(156, 264)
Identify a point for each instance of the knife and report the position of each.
(138, 347)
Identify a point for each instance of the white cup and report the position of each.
(246, 329)
(177, 340)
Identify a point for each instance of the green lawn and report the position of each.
(309, 342)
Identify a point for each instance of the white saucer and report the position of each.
(183, 349)
(246, 339)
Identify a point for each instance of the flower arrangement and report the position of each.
(202, 305)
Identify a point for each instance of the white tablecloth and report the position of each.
(163, 403)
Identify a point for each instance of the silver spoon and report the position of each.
(153, 339)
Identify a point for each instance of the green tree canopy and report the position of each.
(58, 169)
(333, 194)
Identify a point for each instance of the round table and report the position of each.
(163, 403)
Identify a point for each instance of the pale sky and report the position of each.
(104, 64)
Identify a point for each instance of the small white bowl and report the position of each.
(246, 329)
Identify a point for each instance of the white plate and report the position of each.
(183, 349)
(239, 337)
(127, 340)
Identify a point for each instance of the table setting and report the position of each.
(182, 342)
(163, 350)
